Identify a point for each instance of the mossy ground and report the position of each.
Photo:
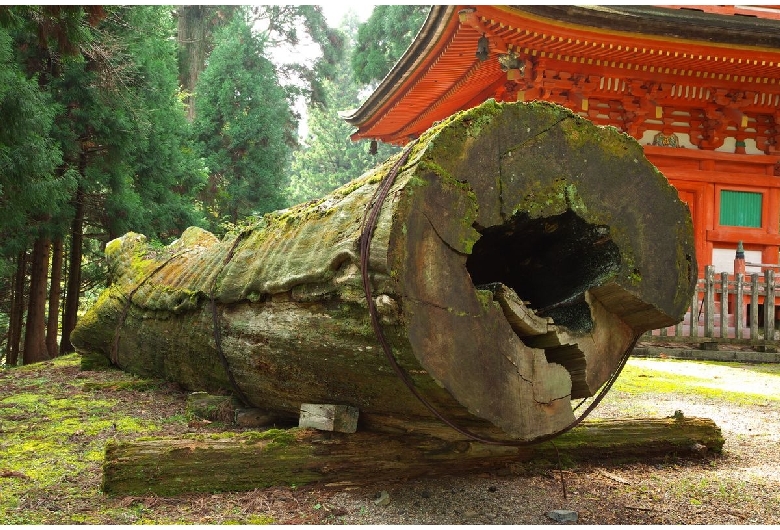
(641, 378)
(56, 419)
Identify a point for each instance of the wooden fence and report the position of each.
(728, 308)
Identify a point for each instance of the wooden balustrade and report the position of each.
(728, 308)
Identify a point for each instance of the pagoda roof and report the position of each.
(440, 73)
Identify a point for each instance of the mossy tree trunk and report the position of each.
(519, 253)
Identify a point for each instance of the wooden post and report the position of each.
(769, 305)
(754, 306)
(694, 331)
(724, 304)
(739, 304)
(709, 301)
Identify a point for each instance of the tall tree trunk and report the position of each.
(52, 325)
(17, 310)
(73, 290)
(35, 332)
(191, 29)
(195, 29)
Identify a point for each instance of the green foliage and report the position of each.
(119, 124)
(63, 30)
(167, 172)
(30, 190)
(144, 171)
(243, 127)
(384, 38)
(96, 139)
(285, 28)
(329, 158)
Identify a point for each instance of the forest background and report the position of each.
(154, 118)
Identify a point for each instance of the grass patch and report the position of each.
(762, 368)
(635, 380)
(56, 419)
(140, 385)
(53, 435)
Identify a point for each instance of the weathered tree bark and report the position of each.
(195, 27)
(519, 253)
(16, 318)
(73, 288)
(53, 320)
(193, 49)
(35, 330)
(281, 458)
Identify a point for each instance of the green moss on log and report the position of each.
(246, 461)
(496, 180)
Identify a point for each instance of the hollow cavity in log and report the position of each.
(549, 262)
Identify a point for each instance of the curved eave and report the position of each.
(440, 72)
(425, 45)
(685, 24)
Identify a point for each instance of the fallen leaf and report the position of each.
(7, 473)
(614, 477)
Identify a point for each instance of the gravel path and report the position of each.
(740, 486)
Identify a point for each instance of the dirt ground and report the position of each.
(740, 486)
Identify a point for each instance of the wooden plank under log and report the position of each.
(253, 460)
(569, 217)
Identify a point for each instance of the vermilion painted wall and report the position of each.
(700, 175)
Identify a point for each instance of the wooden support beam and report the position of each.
(251, 460)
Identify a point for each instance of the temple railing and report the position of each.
(739, 309)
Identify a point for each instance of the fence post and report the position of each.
(754, 306)
(739, 304)
(769, 305)
(724, 304)
(709, 300)
(694, 330)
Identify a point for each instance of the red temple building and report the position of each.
(697, 86)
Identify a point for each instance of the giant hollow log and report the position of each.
(519, 253)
